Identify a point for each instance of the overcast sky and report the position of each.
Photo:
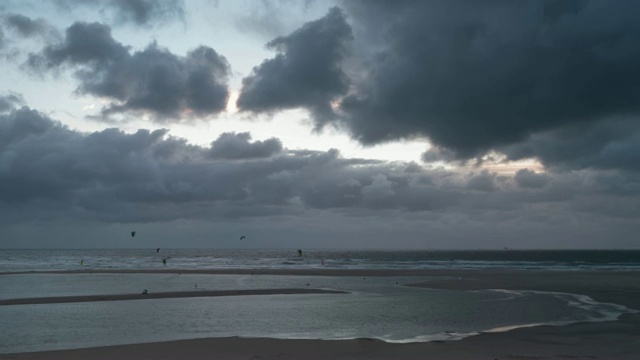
(319, 124)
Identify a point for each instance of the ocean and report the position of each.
(69, 259)
(375, 307)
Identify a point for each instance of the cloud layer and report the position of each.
(48, 169)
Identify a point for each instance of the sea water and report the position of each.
(66, 259)
(374, 307)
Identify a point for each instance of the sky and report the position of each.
(456, 124)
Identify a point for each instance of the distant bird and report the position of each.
(133, 234)
(242, 237)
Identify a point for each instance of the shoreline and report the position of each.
(322, 271)
(589, 340)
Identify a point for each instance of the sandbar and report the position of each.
(164, 295)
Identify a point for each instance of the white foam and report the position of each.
(576, 300)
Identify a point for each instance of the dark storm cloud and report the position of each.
(165, 84)
(306, 72)
(27, 27)
(153, 80)
(140, 12)
(473, 76)
(234, 146)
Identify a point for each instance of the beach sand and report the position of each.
(604, 340)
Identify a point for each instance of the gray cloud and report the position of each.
(88, 44)
(526, 178)
(272, 18)
(27, 27)
(154, 80)
(606, 145)
(139, 12)
(436, 153)
(19, 31)
(10, 101)
(485, 181)
(306, 72)
(265, 17)
(234, 146)
(21, 124)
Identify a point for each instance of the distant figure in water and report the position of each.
(322, 262)
(164, 261)
(158, 250)
(145, 291)
(299, 252)
(81, 262)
